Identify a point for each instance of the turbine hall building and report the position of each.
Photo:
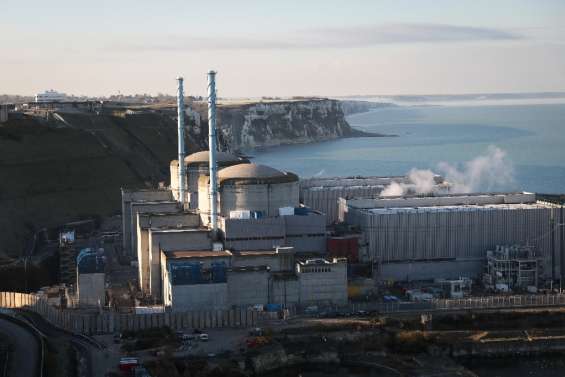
(421, 238)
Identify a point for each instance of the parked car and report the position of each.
(128, 364)
(257, 331)
(203, 337)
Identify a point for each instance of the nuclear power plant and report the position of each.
(228, 232)
(231, 233)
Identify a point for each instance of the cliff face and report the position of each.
(355, 106)
(277, 123)
(73, 165)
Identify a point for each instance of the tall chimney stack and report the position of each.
(181, 170)
(213, 147)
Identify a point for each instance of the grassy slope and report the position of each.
(52, 175)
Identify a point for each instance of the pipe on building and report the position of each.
(212, 146)
(181, 170)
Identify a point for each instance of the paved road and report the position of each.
(24, 361)
(53, 332)
(94, 358)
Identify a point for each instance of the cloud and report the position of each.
(352, 37)
(412, 33)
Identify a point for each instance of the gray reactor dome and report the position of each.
(202, 158)
(251, 174)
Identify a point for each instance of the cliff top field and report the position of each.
(73, 165)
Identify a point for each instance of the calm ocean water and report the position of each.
(533, 136)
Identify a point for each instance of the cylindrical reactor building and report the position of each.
(197, 166)
(252, 187)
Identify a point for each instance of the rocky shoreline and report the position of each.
(391, 346)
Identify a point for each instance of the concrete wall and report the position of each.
(194, 173)
(199, 297)
(429, 270)
(166, 293)
(145, 207)
(174, 171)
(172, 239)
(248, 288)
(267, 198)
(109, 322)
(284, 291)
(304, 233)
(129, 196)
(147, 220)
(273, 261)
(91, 289)
(324, 283)
(143, 267)
(204, 200)
(253, 234)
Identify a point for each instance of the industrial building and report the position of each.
(228, 233)
(156, 221)
(511, 267)
(91, 278)
(420, 238)
(322, 194)
(50, 96)
(138, 196)
(221, 279)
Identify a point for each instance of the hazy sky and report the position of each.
(282, 48)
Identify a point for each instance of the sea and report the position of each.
(530, 136)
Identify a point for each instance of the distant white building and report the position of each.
(50, 96)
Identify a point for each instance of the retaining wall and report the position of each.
(108, 322)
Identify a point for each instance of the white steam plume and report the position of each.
(421, 182)
(320, 173)
(490, 172)
(394, 189)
